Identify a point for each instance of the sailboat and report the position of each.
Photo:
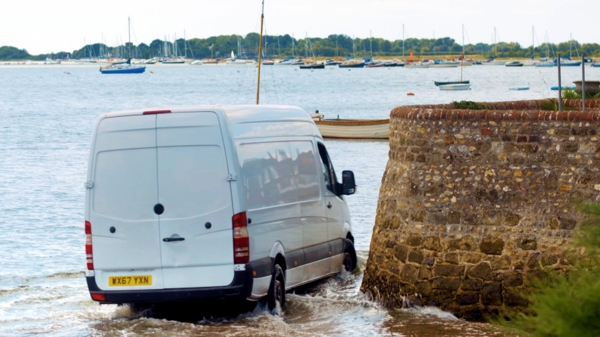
(457, 85)
(127, 67)
(312, 64)
(545, 62)
(567, 61)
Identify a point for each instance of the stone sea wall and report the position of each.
(476, 204)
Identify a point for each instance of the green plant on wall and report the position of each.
(568, 304)
(469, 105)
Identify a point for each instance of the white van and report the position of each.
(212, 202)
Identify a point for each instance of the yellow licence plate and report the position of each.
(128, 281)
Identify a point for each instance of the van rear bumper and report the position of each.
(240, 288)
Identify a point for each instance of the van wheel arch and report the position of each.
(280, 260)
(350, 237)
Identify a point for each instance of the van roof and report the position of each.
(240, 115)
(235, 113)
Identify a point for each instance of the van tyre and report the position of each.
(347, 263)
(350, 260)
(276, 292)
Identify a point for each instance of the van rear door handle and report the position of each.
(173, 239)
(329, 205)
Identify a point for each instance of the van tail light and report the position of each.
(156, 112)
(88, 246)
(98, 297)
(241, 242)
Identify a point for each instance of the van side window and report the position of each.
(268, 174)
(306, 173)
(328, 171)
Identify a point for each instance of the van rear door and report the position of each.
(124, 226)
(196, 239)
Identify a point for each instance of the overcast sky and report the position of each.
(42, 26)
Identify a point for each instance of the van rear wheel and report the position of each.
(347, 262)
(276, 293)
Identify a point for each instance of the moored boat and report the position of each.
(454, 87)
(438, 83)
(514, 64)
(352, 63)
(123, 68)
(313, 66)
(352, 128)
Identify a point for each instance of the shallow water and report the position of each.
(46, 119)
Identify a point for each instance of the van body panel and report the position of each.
(194, 190)
(270, 226)
(123, 149)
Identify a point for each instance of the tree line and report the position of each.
(337, 45)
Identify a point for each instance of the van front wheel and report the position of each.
(276, 294)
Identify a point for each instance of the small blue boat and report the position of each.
(519, 88)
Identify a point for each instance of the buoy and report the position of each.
(410, 94)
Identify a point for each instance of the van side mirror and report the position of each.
(348, 184)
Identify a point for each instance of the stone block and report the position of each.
(471, 258)
(401, 252)
(553, 223)
(448, 270)
(491, 294)
(481, 271)
(533, 262)
(512, 279)
(452, 258)
(466, 243)
(551, 182)
(415, 256)
(492, 218)
(571, 147)
(414, 240)
(527, 243)
(423, 288)
(491, 245)
(429, 261)
(425, 274)
(432, 243)
(567, 223)
(511, 219)
(446, 283)
(500, 262)
(454, 217)
(467, 298)
(471, 284)
(436, 218)
(548, 259)
(409, 273)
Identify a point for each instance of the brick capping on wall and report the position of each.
(476, 204)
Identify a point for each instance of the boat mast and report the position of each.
(463, 53)
(262, 19)
(570, 44)
(371, 44)
(129, 36)
(402, 40)
(532, 42)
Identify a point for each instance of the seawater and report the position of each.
(47, 115)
